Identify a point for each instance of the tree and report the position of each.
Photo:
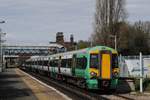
(140, 37)
(109, 13)
(135, 38)
(83, 44)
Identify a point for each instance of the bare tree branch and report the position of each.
(108, 14)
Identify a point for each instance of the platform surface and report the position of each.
(17, 85)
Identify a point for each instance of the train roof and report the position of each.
(70, 53)
(87, 50)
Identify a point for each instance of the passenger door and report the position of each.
(81, 64)
(105, 64)
(73, 64)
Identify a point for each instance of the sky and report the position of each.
(38, 21)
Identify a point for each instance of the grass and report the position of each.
(146, 84)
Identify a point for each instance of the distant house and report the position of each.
(69, 45)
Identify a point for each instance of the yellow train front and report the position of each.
(103, 68)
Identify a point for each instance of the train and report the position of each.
(92, 68)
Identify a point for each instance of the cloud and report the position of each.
(27, 19)
(138, 10)
(39, 20)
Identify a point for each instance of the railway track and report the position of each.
(78, 93)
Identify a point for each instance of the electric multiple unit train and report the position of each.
(90, 68)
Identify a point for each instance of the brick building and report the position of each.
(69, 45)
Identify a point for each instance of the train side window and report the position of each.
(114, 61)
(69, 63)
(63, 62)
(36, 63)
(66, 63)
(39, 62)
(31, 62)
(81, 63)
(54, 63)
(45, 63)
(51, 63)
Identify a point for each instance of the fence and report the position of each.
(130, 66)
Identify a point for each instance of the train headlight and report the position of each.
(115, 74)
(93, 74)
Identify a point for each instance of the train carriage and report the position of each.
(91, 68)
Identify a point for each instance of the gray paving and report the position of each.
(13, 88)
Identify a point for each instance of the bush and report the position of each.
(146, 84)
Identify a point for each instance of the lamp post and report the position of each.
(141, 73)
(1, 49)
(115, 37)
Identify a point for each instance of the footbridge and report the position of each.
(12, 54)
(32, 50)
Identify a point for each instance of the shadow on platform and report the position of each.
(13, 88)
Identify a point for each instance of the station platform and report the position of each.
(18, 85)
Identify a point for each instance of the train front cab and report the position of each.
(103, 70)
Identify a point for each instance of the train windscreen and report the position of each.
(94, 61)
(114, 61)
